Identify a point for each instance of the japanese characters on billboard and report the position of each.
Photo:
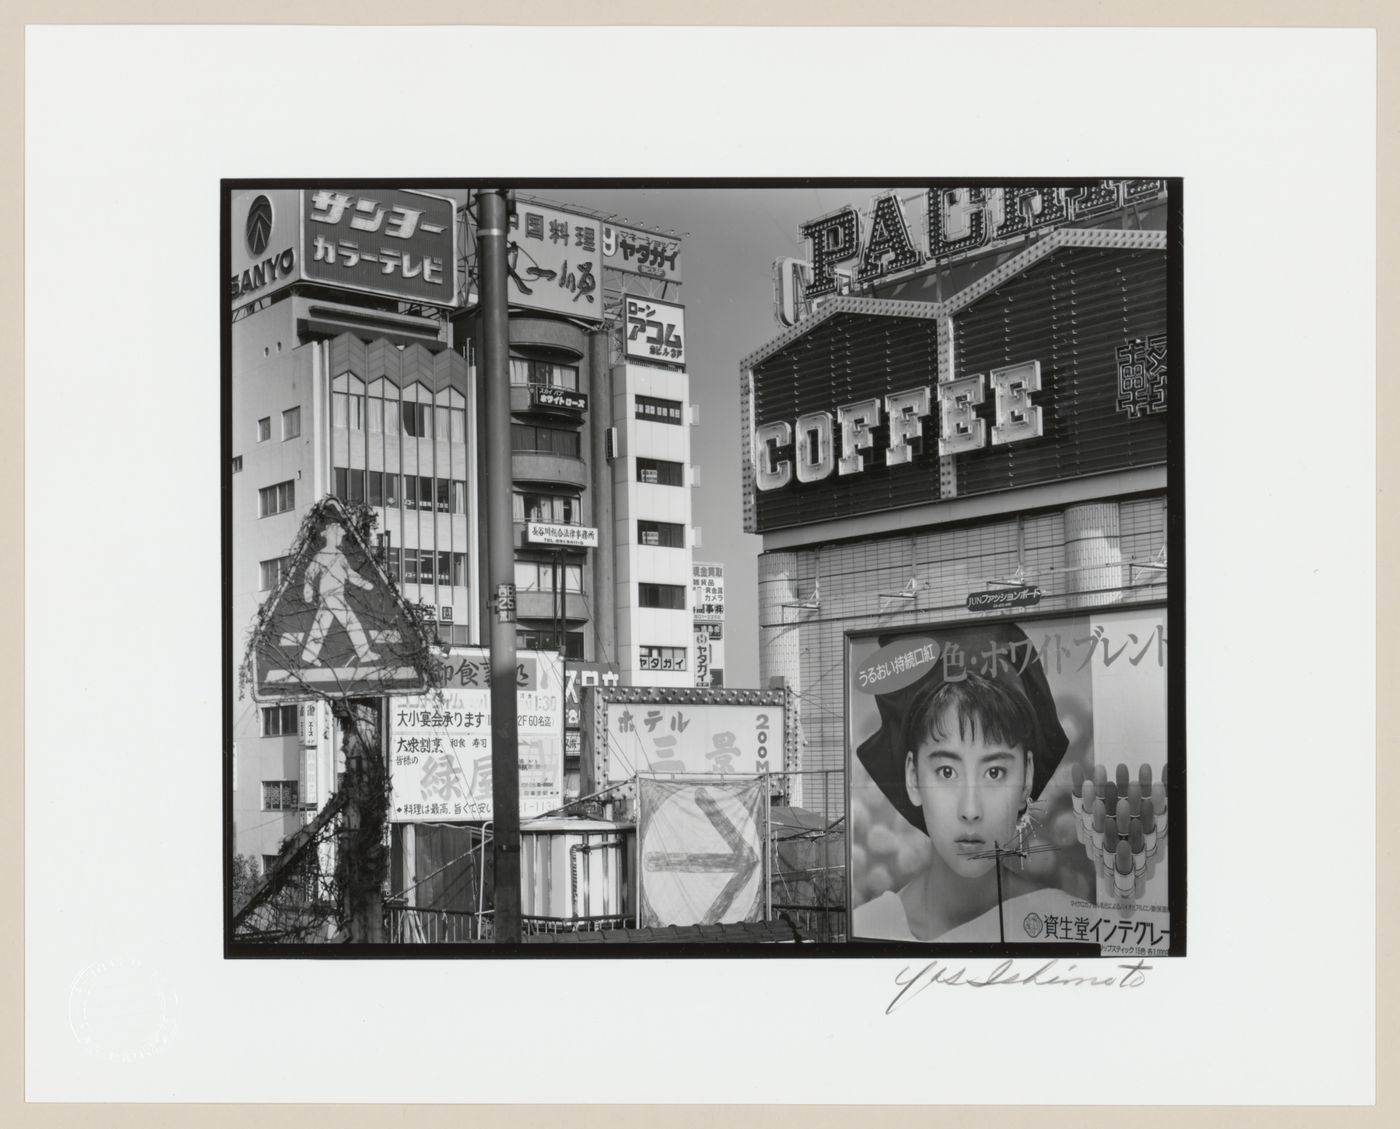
(263, 252)
(641, 252)
(578, 676)
(554, 261)
(653, 331)
(707, 592)
(1008, 782)
(700, 851)
(649, 735)
(388, 241)
(440, 744)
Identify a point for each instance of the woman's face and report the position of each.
(971, 792)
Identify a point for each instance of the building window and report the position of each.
(429, 566)
(546, 639)
(291, 423)
(271, 572)
(538, 576)
(660, 472)
(662, 658)
(279, 721)
(544, 440)
(559, 509)
(264, 429)
(417, 420)
(348, 410)
(670, 596)
(268, 861)
(237, 463)
(279, 795)
(524, 372)
(657, 410)
(663, 534)
(277, 499)
(376, 415)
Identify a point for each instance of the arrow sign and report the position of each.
(701, 854)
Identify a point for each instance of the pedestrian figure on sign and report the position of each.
(323, 587)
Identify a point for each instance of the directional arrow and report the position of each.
(741, 858)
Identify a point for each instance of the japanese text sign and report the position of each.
(555, 533)
(1077, 787)
(386, 241)
(707, 592)
(653, 331)
(554, 261)
(439, 749)
(641, 252)
(683, 737)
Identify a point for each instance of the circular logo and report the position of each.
(259, 228)
(1034, 925)
(121, 1010)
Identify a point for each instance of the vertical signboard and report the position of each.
(1037, 749)
(653, 331)
(440, 744)
(389, 241)
(707, 592)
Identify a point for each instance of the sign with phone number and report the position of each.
(1003, 598)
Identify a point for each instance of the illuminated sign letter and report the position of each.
(957, 221)
(889, 247)
(815, 458)
(1017, 417)
(962, 430)
(790, 278)
(770, 472)
(835, 239)
(906, 411)
(856, 422)
(1025, 209)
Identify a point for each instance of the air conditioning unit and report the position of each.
(446, 613)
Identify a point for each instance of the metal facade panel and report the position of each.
(1070, 312)
(849, 357)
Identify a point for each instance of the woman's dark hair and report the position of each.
(992, 710)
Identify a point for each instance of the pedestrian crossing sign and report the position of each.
(336, 626)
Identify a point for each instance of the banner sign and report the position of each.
(654, 331)
(544, 396)
(689, 737)
(1074, 806)
(641, 252)
(700, 852)
(388, 241)
(439, 748)
(707, 592)
(999, 599)
(702, 656)
(554, 261)
(554, 533)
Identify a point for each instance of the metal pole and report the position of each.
(1001, 919)
(492, 233)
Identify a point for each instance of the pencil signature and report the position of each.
(911, 982)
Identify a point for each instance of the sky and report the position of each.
(730, 239)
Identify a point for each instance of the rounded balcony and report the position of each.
(548, 468)
(560, 337)
(544, 606)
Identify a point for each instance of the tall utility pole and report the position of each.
(492, 232)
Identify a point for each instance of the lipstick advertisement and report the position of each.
(1008, 782)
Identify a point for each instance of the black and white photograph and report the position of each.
(649, 565)
(496, 441)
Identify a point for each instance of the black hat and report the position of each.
(999, 652)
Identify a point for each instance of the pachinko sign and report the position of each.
(904, 233)
(1009, 782)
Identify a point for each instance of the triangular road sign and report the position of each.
(336, 625)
